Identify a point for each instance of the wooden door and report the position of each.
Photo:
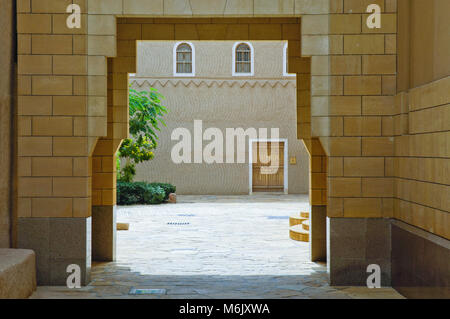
(267, 171)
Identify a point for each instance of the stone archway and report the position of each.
(72, 99)
(130, 30)
(83, 115)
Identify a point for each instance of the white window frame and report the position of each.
(285, 61)
(250, 161)
(175, 73)
(252, 58)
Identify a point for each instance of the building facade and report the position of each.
(215, 88)
(379, 181)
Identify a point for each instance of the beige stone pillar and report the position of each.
(58, 125)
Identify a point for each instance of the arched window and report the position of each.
(184, 59)
(243, 59)
(286, 61)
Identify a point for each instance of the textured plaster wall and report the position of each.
(224, 107)
(213, 58)
(6, 84)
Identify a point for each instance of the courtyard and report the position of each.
(213, 247)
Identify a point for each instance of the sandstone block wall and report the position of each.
(7, 79)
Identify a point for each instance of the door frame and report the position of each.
(250, 161)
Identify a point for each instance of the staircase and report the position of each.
(299, 227)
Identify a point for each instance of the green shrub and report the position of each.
(142, 193)
(138, 193)
(168, 188)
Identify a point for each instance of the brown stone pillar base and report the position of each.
(318, 233)
(104, 233)
(420, 262)
(355, 243)
(58, 243)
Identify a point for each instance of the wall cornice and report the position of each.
(164, 82)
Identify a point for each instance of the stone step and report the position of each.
(123, 226)
(296, 220)
(304, 214)
(17, 273)
(305, 224)
(298, 233)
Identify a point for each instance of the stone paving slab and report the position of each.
(232, 247)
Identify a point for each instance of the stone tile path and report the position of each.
(213, 247)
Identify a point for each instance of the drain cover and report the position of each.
(135, 291)
(177, 224)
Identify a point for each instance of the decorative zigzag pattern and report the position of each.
(210, 83)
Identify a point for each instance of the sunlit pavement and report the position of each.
(213, 247)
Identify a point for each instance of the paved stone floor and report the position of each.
(213, 247)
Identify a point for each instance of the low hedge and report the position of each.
(143, 193)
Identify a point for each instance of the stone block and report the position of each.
(50, 6)
(52, 126)
(363, 166)
(315, 24)
(363, 207)
(355, 243)
(71, 186)
(362, 126)
(315, 45)
(17, 273)
(344, 187)
(344, 146)
(377, 187)
(104, 233)
(34, 234)
(51, 44)
(154, 7)
(34, 23)
(379, 64)
(69, 65)
(345, 24)
(364, 44)
(34, 186)
(362, 85)
(70, 146)
(377, 146)
(35, 64)
(345, 65)
(52, 85)
(69, 105)
(360, 6)
(51, 207)
(51, 166)
(312, 6)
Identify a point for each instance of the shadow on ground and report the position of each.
(112, 281)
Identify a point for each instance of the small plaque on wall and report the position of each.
(293, 160)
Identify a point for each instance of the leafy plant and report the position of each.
(127, 173)
(168, 188)
(141, 193)
(146, 114)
